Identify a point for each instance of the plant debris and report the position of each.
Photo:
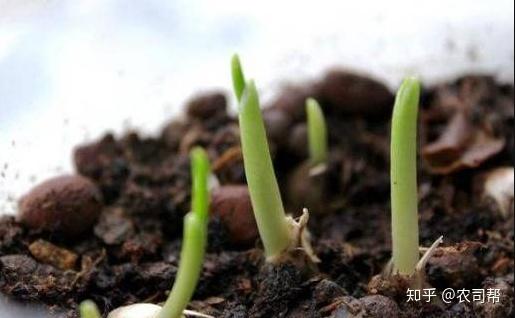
(48, 253)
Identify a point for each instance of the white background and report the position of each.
(70, 70)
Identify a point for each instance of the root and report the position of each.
(418, 278)
(300, 241)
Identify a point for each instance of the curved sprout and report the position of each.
(405, 240)
(194, 240)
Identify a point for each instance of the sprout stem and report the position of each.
(405, 237)
(238, 79)
(317, 132)
(88, 309)
(200, 176)
(264, 190)
(194, 239)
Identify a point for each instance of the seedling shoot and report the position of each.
(238, 78)
(279, 233)
(264, 190)
(317, 132)
(194, 239)
(405, 237)
(88, 309)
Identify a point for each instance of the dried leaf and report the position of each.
(452, 141)
(460, 146)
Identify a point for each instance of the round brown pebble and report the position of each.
(353, 94)
(207, 105)
(232, 204)
(66, 204)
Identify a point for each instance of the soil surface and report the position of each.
(126, 248)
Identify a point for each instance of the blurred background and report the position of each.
(72, 70)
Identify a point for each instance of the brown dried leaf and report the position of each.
(452, 141)
(460, 146)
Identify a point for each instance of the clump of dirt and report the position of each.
(138, 190)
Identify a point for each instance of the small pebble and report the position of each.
(67, 204)
(207, 105)
(353, 94)
(232, 204)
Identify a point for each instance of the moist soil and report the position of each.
(130, 252)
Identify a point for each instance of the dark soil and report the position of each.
(130, 254)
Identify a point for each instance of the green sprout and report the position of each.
(317, 132)
(279, 233)
(194, 239)
(88, 309)
(264, 190)
(238, 79)
(405, 240)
